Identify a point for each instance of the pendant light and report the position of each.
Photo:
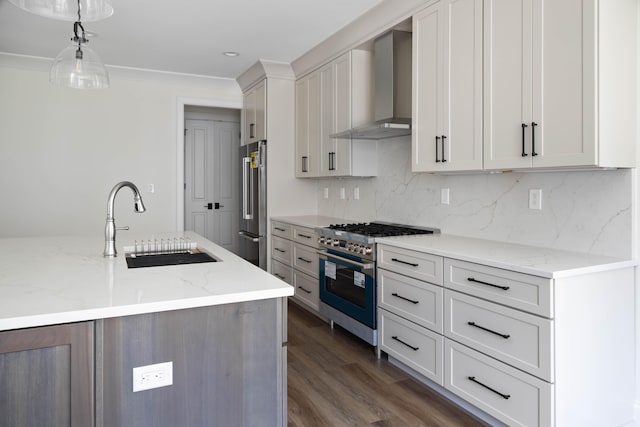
(65, 10)
(78, 66)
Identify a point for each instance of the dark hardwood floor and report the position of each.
(335, 379)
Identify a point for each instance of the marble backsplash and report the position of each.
(581, 211)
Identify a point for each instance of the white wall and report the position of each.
(62, 150)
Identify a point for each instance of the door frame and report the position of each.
(181, 103)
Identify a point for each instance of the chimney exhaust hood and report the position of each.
(392, 97)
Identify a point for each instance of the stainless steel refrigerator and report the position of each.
(253, 222)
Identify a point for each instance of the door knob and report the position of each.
(218, 206)
(209, 206)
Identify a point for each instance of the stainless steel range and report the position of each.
(348, 273)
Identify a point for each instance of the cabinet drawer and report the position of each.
(510, 395)
(519, 339)
(417, 301)
(305, 259)
(282, 271)
(282, 250)
(411, 263)
(523, 291)
(306, 236)
(281, 229)
(411, 344)
(307, 289)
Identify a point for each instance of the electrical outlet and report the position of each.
(535, 199)
(325, 192)
(444, 196)
(356, 193)
(343, 194)
(152, 376)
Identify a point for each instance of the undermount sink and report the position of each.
(163, 259)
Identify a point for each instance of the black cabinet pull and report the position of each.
(471, 279)
(505, 336)
(278, 276)
(305, 260)
(332, 161)
(305, 164)
(504, 396)
(533, 139)
(279, 250)
(443, 140)
(524, 154)
(408, 345)
(437, 156)
(303, 289)
(252, 127)
(404, 262)
(279, 229)
(304, 235)
(406, 299)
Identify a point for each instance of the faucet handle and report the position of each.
(125, 228)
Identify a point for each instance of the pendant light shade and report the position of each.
(67, 10)
(79, 67)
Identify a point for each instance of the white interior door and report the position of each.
(211, 180)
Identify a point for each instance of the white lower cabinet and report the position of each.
(417, 347)
(512, 396)
(527, 350)
(295, 260)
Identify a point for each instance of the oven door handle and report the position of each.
(325, 255)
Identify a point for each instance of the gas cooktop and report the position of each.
(381, 229)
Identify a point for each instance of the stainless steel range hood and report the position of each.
(392, 97)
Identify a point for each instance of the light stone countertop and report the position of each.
(311, 221)
(544, 262)
(51, 280)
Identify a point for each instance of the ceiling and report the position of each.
(188, 36)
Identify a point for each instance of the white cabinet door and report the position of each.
(563, 82)
(254, 114)
(507, 83)
(447, 49)
(327, 118)
(307, 125)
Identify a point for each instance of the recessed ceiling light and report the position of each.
(231, 54)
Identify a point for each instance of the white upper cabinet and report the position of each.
(447, 81)
(254, 113)
(334, 98)
(557, 79)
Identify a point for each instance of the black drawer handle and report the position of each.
(304, 235)
(279, 229)
(279, 250)
(505, 336)
(406, 299)
(504, 288)
(444, 138)
(404, 262)
(305, 260)
(504, 396)
(278, 276)
(307, 291)
(437, 156)
(408, 345)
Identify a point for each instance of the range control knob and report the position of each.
(321, 239)
(368, 250)
(335, 242)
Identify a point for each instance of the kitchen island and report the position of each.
(73, 325)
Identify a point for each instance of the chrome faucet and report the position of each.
(110, 227)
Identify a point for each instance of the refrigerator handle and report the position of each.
(246, 183)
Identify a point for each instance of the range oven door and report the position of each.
(349, 286)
